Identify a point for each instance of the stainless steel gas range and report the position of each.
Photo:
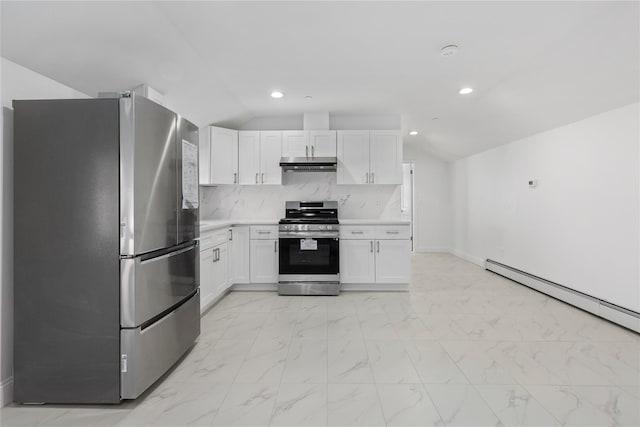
(309, 249)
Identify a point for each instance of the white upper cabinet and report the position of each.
(385, 157)
(223, 156)
(259, 157)
(304, 143)
(322, 143)
(353, 157)
(249, 157)
(295, 143)
(270, 154)
(369, 157)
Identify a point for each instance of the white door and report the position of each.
(248, 157)
(295, 143)
(270, 154)
(220, 269)
(386, 157)
(357, 261)
(239, 255)
(322, 143)
(224, 155)
(206, 277)
(204, 157)
(264, 261)
(393, 261)
(353, 157)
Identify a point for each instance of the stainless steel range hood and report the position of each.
(309, 164)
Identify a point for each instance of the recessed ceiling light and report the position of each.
(308, 97)
(465, 91)
(413, 133)
(277, 94)
(449, 50)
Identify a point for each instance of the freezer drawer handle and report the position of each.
(169, 255)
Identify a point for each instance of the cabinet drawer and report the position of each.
(213, 238)
(264, 232)
(356, 232)
(392, 232)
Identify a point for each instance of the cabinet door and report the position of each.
(322, 143)
(220, 269)
(270, 154)
(204, 158)
(357, 261)
(264, 261)
(248, 157)
(206, 277)
(224, 155)
(239, 255)
(393, 261)
(295, 143)
(386, 157)
(353, 157)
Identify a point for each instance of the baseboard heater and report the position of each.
(622, 316)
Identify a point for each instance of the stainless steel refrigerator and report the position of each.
(106, 294)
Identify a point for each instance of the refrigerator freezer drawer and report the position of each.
(148, 353)
(151, 285)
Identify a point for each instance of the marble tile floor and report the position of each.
(464, 347)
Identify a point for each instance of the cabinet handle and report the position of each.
(313, 154)
(262, 178)
(371, 246)
(357, 232)
(367, 178)
(373, 177)
(263, 232)
(230, 234)
(256, 177)
(306, 151)
(378, 244)
(235, 177)
(275, 246)
(393, 232)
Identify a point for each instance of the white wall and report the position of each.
(580, 226)
(16, 82)
(432, 199)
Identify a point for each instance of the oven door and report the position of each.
(309, 257)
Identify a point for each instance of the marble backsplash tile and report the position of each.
(267, 201)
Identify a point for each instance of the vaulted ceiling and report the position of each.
(533, 65)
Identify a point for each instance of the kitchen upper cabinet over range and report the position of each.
(369, 157)
(259, 157)
(304, 143)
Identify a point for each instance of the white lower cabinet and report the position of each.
(357, 261)
(239, 255)
(368, 260)
(264, 261)
(220, 269)
(393, 261)
(206, 277)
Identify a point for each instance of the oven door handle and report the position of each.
(309, 235)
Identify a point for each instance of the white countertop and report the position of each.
(209, 225)
(374, 222)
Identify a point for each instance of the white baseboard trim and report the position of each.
(432, 249)
(374, 287)
(6, 391)
(471, 258)
(598, 307)
(247, 287)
